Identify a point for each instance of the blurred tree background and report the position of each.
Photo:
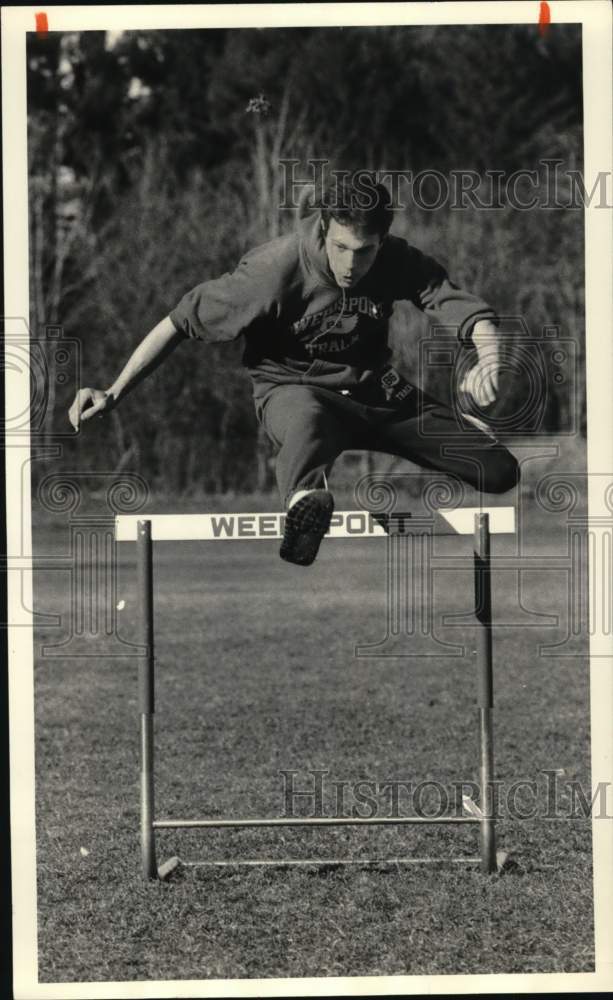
(154, 164)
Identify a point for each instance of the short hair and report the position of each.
(357, 200)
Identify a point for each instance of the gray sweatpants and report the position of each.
(311, 426)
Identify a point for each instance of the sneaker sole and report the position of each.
(306, 523)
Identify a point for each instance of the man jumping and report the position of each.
(313, 308)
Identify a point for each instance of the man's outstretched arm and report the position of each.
(156, 346)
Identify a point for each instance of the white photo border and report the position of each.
(595, 19)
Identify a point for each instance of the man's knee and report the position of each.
(501, 472)
(303, 408)
(295, 411)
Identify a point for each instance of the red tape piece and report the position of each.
(544, 17)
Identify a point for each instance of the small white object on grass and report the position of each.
(84, 852)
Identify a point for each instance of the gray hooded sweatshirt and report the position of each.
(300, 328)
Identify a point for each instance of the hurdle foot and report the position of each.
(470, 806)
(504, 862)
(166, 869)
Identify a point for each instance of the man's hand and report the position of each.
(89, 403)
(156, 346)
(482, 380)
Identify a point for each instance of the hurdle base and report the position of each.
(166, 869)
(504, 861)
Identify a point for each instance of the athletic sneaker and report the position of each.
(306, 523)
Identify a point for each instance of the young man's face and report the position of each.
(351, 252)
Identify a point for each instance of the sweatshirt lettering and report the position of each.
(355, 304)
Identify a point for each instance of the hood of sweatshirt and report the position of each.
(314, 258)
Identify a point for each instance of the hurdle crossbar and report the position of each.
(344, 524)
(144, 530)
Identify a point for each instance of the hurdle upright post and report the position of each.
(485, 689)
(146, 696)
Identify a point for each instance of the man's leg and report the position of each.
(428, 434)
(310, 427)
(302, 423)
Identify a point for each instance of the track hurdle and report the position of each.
(480, 522)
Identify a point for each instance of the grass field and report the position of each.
(256, 674)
